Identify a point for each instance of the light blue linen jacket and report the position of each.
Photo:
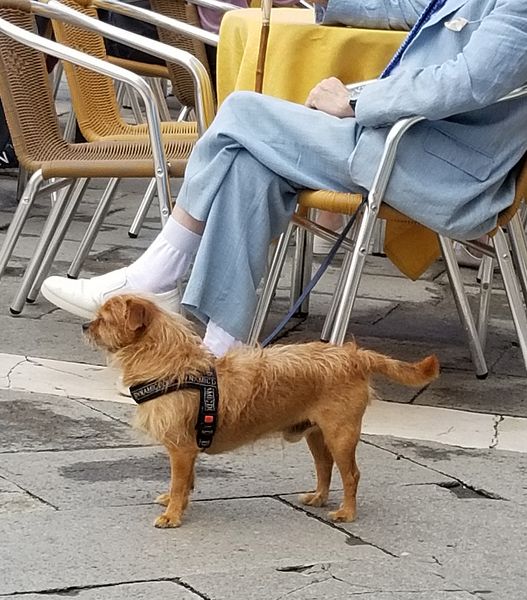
(456, 171)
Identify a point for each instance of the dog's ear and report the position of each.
(139, 313)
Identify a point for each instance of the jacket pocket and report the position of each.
(458, 154)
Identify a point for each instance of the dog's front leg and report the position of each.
(324, 467)
(182, 461)
(164, 499)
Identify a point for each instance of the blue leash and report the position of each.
(320, 271)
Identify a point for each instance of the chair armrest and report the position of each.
(159, 20)
(202, 83)
(87, 61)
(215, 5)
(385, 168)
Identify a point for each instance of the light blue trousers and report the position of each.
(242, 179)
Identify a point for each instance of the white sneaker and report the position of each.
(82, 297)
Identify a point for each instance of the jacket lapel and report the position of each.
(450, 7)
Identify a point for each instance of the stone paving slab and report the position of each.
(14, 499)
(475, 541)
(47, 336)
(79, 548)
(125, 476)
(496, 473)
(386, 578)
(39, 422)
(154, 590)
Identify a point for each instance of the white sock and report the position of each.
(166, 260)
(218, 341)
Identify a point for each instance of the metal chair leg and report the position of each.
(352, 278)
(19, 218)
(157, 88)
(51, 231)
(57, 77)
(21, 182)
(70, 127)
(134, 105)
(302, 267)
(377, 247)
(330, 316)
(463, 307)
(486, 275)
(270, 284)
(58, 236)
(512, 289)
(518, 240)
(144, 207)
(184, 113)
(346, 264)
(93, 228)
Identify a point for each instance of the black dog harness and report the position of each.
(207, 385)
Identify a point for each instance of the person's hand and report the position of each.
(332, 97)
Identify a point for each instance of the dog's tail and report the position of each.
(416, 373)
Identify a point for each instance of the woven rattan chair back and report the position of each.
(26, 94)
(93, 95)
(182, 85)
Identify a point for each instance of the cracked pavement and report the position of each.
(77, 483)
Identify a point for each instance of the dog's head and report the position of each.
(121, 321)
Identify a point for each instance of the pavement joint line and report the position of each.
(351, 538)
(479, 491)
(193, 590)
(31, 494)
(495, 438)
(390, 311)
(85, 402)
(74, 590)
(72, 450)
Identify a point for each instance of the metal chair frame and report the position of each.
(339, 314)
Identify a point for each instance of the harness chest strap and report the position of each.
(207, 384)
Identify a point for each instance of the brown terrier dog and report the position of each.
(315, 389)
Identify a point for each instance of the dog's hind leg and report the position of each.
(342, 443)
(182, 477)
(323, 466)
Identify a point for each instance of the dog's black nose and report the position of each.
(86, 326)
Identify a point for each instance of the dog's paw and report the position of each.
(313, 499)
(342, 515)
(163, 499)
(166, 521)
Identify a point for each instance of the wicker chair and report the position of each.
(337, 320)
(94, 100)
(34, 126)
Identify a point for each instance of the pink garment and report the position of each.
(210, 19)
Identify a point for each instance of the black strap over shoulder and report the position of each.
(207, 384)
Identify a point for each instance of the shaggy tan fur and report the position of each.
(314, 389)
